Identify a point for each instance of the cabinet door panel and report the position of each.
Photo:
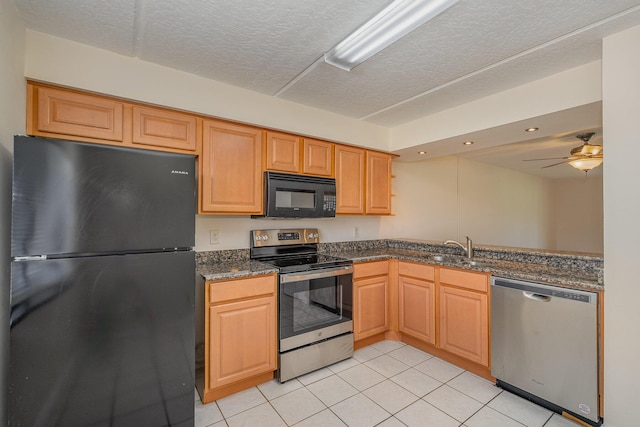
(283, 152)
(378, 183)
(318, 157)
(417, 308)
(371, 312)
(349, 180)
(164, 128)
(71, 113)
(231, 169)
(242, 337)
(464, 324)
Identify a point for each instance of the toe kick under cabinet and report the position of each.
(235, 335)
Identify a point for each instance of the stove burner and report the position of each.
(305, 262)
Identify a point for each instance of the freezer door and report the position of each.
(103, 341)
(71, 197)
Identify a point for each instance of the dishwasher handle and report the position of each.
(536, 297)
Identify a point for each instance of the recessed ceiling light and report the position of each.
(422, 152)
(468, 143)
(531, 129)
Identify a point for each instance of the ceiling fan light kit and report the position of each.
(586, 164)
(583, 157)
(394, 22)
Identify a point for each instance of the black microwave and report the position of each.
(298, 196)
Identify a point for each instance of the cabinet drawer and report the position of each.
(241, 288)
(419, 271)
(367, 269)
(464, 279)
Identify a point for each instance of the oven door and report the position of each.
(314, 306)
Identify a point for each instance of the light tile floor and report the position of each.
(387, 384)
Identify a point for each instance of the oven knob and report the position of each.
(313, 235)
(264, 237)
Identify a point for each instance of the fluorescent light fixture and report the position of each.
(392, 23)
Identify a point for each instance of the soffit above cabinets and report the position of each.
(473, 49)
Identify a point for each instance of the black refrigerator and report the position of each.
(102, 295)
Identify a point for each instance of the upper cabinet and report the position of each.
(363, 181)
(349, 180)
(230, 168)
(289, 153)
(283, 152)
(317, 157)
(232, 156)
(69, 114)
(62, 113)
(378, 183)
(164, 128)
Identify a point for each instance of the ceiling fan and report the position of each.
(583, 157)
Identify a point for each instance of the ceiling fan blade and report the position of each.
(546, 158)
(556, 164)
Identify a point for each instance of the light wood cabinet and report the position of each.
(231, 168)
(350, 179)
(370, 299)
(464, 315)
(293, 154)
(378, 199)
(157, 127)
(417, 303)
(317, 157)
(241, 336)
(363, 181)
(282, 152)
(79, 116)
(63, 113)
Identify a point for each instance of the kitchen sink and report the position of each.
(475, 263)
(453, 259)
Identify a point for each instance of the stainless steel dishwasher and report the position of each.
(544, 345)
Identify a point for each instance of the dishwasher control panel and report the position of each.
(546, 290)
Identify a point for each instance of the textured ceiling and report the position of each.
(473, 49)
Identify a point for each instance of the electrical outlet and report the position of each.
(214, 237)
(356, 232)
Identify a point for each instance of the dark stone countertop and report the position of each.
(574, 270)
(564, 276)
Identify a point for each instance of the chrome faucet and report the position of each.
(468, 250)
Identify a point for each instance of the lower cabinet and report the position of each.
(240, 335)
(370, 299)
(464, 314)
(417, 302)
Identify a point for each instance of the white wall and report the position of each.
(234, 231)
(502, 207)
(12, 121)
(621, 113)
(450, 198)
(55, 60)
(426, 202)
(578, 215)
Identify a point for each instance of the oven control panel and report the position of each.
(289, 236)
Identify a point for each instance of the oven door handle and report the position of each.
(318, 274)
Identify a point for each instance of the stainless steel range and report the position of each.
(315, 300)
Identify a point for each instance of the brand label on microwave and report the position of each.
(180, 172)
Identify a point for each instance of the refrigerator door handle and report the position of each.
(30, 258)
